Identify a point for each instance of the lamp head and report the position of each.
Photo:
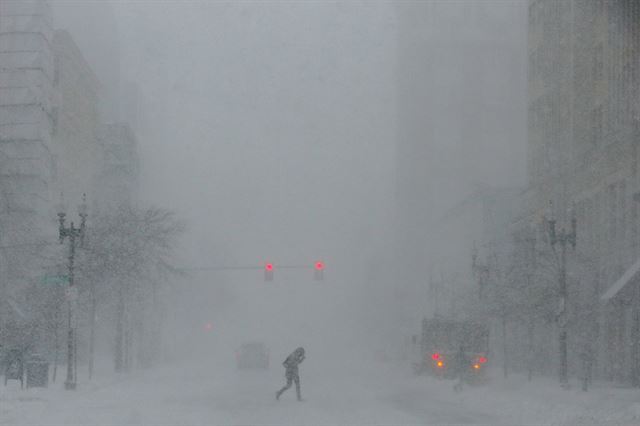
(82, 208)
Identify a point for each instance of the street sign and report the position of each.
(55, 279)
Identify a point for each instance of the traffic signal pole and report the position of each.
(564, 238)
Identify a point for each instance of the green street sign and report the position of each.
(55, 279)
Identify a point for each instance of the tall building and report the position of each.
(474, 230)
(26, 118)
(52, 141)
(77, 154)
(26, 122)
(583, 129)
(91, 50)
(26, 102)
(120, 172)
(94, 28)
(461, 108)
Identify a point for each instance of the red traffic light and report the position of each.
(268, 271)
(319, 266)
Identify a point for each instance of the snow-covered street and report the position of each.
(372, 394)
(205, 204)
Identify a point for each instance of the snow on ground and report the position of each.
(366, 394)
(542, 402)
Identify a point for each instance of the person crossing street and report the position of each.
(291, 372)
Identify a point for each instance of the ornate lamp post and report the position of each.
(73, 234)
(564, 238)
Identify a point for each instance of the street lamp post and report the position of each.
(481, 271)
(564, 238)
(73, 234)
(483, 274)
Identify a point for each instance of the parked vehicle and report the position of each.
(444, 344)
(13, 364)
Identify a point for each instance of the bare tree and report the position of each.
(129, 253)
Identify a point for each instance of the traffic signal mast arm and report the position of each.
(239, 268)
(268, 268)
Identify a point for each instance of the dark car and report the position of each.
(253, 355)
(13, 365)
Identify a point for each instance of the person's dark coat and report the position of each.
(292, 362)
(291, 372)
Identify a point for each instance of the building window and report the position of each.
(596, 123)
(600, 4)
(622, 212)
(54, 167)
(56, 71)
(598, 63)
(612, 219)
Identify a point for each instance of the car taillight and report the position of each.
(482, 360)
(435, 356)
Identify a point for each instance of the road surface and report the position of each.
(368, 394)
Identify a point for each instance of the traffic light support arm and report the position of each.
(232, 268)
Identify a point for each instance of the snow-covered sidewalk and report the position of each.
(541, 402)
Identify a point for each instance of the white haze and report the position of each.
(276, 130)
(271, 128)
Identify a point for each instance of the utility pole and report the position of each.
(530, 280)
(481, 272)
(92, 325)
(564, 238)
(73, 234)
(119, 361)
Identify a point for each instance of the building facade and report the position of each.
(52, 141)
(27, 100)
(460, 104)
(120, 171)
(77, 154)
(583, 128)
